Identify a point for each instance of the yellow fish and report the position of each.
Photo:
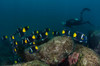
(37, 31)
(74, 35)
(13, 37)
(24, 30)
(46, 33)
(33, 42)
(16, 62)
(33, 37)
(63, 31)
(28, 27)
(16, 43)
(15, 50)
(36, 47)
(52, 32)
(6, 37)
(25, 41)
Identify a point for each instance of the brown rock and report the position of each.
(87, 57)
(32, 63)
(53, 51)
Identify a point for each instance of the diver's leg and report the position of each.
(82, 12)
(88, 22)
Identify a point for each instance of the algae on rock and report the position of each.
(87, 57)
(32, 63)
(54, 50)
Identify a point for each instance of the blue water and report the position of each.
(39, 14)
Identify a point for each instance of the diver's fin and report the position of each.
(85, 9)
(82, 12)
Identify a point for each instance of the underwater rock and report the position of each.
(97, 50)
(87, 57)
(28, 56)
(32, 63)
(94, 41)
(53, 51)
(94, 38)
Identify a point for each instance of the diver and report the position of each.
(75, 22)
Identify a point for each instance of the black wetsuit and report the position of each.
(73, 22)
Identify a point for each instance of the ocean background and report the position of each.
(39, 14)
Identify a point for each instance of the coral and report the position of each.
(72, 59)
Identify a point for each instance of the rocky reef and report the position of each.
(94, 39)
(58, 48)
(87, 56)
(32, 63)
(53, 51)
